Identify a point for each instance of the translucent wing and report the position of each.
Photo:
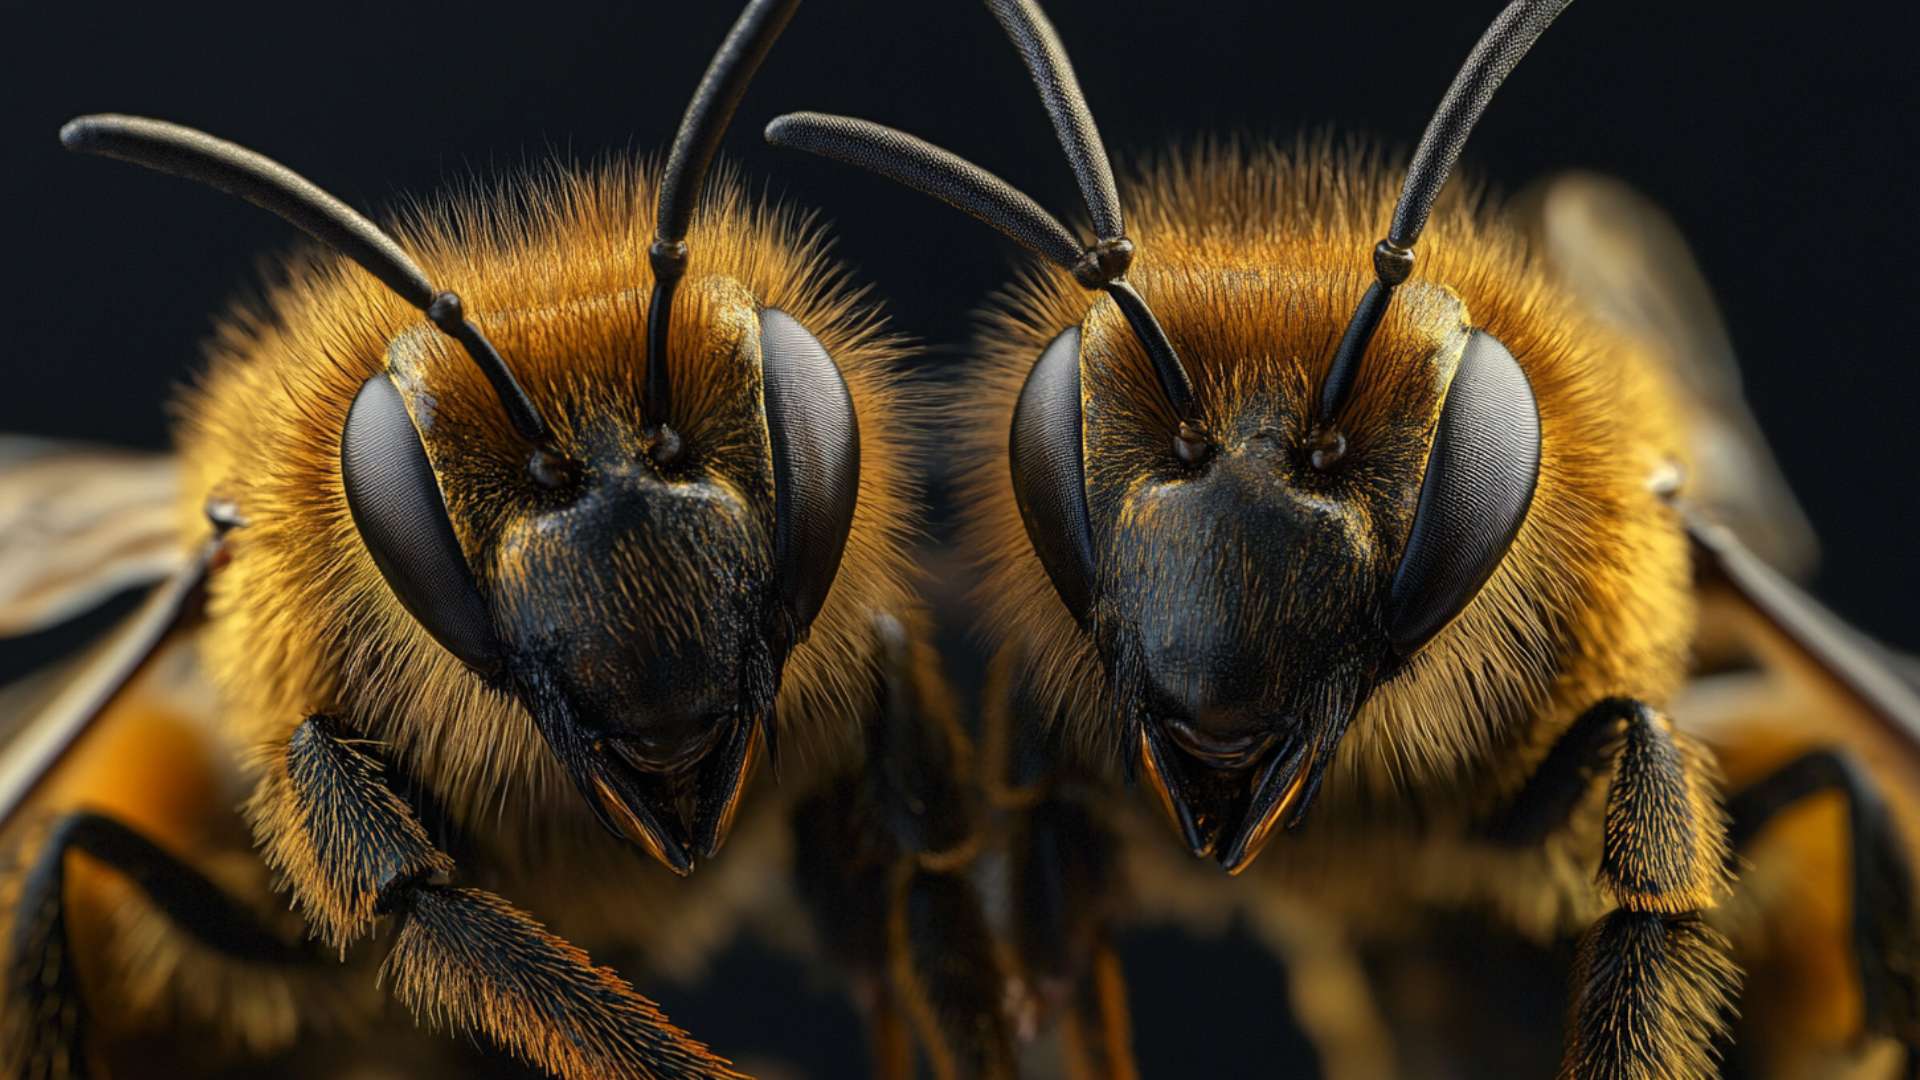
(79, 523)
(1803, 634)
(1628, 262)
(41, 741)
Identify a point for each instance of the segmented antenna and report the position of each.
(195, 155)
(706, 119)
(970, 189)
(1512, 34)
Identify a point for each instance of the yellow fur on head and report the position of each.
(302, 620)
(1253, 260)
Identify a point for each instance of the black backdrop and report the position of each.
(1782, 143)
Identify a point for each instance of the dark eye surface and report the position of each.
(402, 518)
(1479, 482)
(816, 461)
(1049, 477)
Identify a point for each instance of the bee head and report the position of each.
(619, 501)
(1248, 561)
(637, 566)
(637, 585)
(1245, 603)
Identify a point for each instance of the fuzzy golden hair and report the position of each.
(554, 267)
(1253, 259)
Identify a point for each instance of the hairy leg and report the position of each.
(1652, 981)
(352, 852)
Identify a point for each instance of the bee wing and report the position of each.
(1794, 631)
(44, 739)
(1628, 262)
(80, 523)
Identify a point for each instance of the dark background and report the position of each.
(1783, 144)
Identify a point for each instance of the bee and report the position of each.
(495, 600)
(1411, 581)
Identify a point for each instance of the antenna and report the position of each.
(707, 116)
(195, 155)
(1512, 34)
(966, 187)
(1066, 106)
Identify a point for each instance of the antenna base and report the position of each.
(1104, 262)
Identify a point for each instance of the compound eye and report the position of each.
(402, 518)
(1049, 477)
(1479, 483)
(816, 461)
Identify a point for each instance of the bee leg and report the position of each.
(945, 970)
(1886, 934)
(895, 899)
(946, 976)
(352, 851)
(1063, 883)
(1333, 995)
(1652, 983)
(1066, 894)
(844, 876)
(46, 1022)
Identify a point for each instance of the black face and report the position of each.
(640, 616)
(1246, 606)
(1230, 719)
(637, 597)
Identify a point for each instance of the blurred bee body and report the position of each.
(502, 607)
(1432, 565)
